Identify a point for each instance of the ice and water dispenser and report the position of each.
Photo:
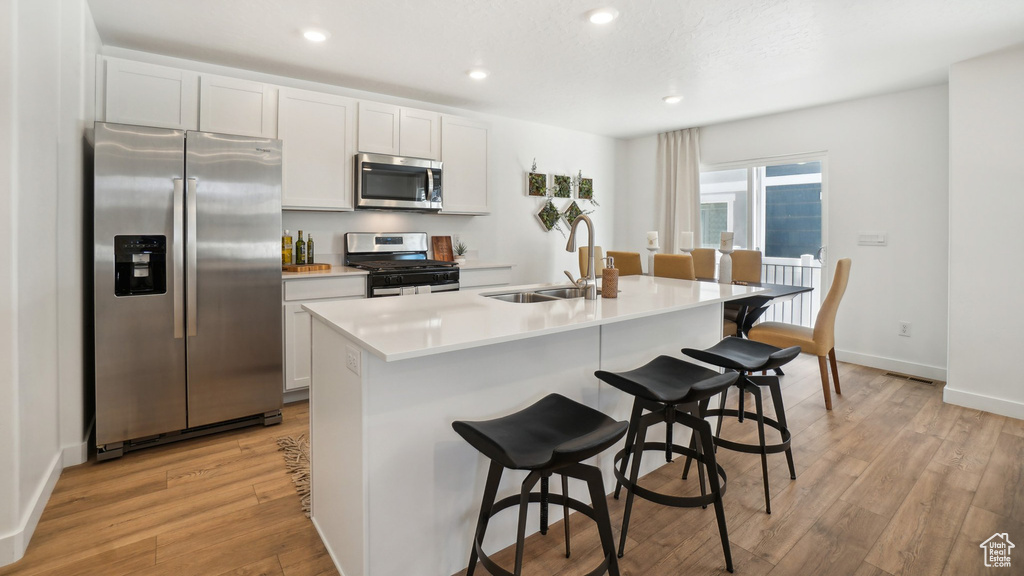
(140, 265)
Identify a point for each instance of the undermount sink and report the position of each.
(540, 295)
(522, 297)
(567, 292)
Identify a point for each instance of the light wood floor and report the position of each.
(221, 504)
(892, 481)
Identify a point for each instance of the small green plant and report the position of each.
(461, 248)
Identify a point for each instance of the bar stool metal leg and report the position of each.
(490, 492)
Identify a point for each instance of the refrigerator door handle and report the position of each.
(177, 258)
(190, 257)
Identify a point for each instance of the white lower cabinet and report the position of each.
(297, 347)
(298, 352)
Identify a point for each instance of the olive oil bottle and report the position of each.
(300, 250)
(309, 250)
(286, 248)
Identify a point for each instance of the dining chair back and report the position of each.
(674, 266)
(746, 266)
(819, 341)
(703, 262)
(628, 263)
(584, 253)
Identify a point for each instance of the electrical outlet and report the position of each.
(352, 359)
(904, 328)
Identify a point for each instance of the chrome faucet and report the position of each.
(588, 284)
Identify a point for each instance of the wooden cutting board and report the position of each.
(305, 267)
(442, 248)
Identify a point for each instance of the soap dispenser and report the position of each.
(610, 279)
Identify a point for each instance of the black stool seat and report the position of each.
(553, 431)
(745, 356)
(669, 380)
(553, 436)
(672, 391)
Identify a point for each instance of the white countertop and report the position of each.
(404, 327)
(333, 272)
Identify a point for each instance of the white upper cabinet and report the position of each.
(318, 135)
(464, 153)
(389, 129)
(233, 106)
(419, 134)
(150, 95)
(378, 128)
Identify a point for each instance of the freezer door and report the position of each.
(233, 276)
(138, 284)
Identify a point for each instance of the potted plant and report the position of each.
(460, 251)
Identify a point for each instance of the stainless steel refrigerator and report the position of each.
(186, 284)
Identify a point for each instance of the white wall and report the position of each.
(512, 233)
(635, 206)
(986, 206)
(39, 62)
(79, 44)
(886, 170)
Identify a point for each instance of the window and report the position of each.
(773, 208)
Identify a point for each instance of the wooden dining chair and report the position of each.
(584, 253)
(678, 266)
(703, 262)
(628, 263)
(746, 266)
(820, 340)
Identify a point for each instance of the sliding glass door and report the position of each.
(775, 207)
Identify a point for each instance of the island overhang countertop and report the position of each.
(420, 325)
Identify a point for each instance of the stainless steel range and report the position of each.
(398, 264)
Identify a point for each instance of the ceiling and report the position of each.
(729, 59)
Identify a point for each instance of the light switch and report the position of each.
(871, 239)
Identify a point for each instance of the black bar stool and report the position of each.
(671, 391)
(746, 356)
(552, 436)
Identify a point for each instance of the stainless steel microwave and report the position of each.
(392, 182)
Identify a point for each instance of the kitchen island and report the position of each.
(395, 490)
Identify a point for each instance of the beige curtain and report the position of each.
(678, 187)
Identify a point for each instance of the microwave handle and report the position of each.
(430, 184)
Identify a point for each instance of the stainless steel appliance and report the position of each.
(398, 264)
(394, 182)
(187, 284)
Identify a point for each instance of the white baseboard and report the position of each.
(13, 545)
(893, 365)
(1000, 406)
(296, 395)
(78, 453)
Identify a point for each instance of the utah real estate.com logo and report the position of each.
(997, 550)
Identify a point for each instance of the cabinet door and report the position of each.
(318, 135)
(464, 153)
(298, 347)
(150, 95)
(233, 106)
(419, 134)
(378, 128)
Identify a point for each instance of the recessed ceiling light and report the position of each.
(477, 74)
(603, 15)
(315, 35)
(672, 99)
